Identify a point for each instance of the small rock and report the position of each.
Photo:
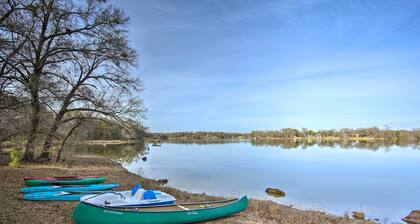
(162, 181)
(144, 158)
(413, 217)
(275, 192)
(358, 215)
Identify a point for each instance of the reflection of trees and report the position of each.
(374, 145)
(203, 141)
(119, 152)
(131, 152)
(345, 144)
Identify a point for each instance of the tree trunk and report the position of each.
(79, 122)
(45, 155)
(34, 79)
(28, 155)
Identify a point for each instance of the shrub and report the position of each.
(15, 157)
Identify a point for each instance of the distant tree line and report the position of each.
(304, 133)
(345, 133)
(64, 63)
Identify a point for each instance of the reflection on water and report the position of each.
(295, 143)
(366, 144)
(117, 152)
(204, 141)
(379, 178)
(335, 177)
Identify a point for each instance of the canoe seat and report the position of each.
(182, 207)
(147, 195)
(135, 189)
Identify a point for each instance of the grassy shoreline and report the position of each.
(61, 212)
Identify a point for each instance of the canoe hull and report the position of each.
(85, 213)
(60, 195)
(93, 187)
(52, 196)
(85, 181)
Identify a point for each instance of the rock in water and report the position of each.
(413, 217)
(144, 158)
(275, 192)
(358, 215)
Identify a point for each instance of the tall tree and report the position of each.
(98, 84)
(68, 57)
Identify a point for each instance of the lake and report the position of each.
(382, 181)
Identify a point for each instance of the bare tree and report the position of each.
(10, 45)
(67, 56)
(98, 84)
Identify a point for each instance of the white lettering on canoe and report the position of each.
(192, 213)
(113, 212)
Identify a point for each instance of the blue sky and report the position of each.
(223, 65)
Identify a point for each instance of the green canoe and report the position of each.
(86, 213)
(82, 181)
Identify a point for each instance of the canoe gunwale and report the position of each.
(60, 178)
(80, 188)
(122, 209)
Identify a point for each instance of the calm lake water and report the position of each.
(383, 182)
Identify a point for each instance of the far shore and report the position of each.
(61, 212)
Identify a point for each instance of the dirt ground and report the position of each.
(14, 210)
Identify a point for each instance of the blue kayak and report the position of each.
(91, 187)
(59, 195)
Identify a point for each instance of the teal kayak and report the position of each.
(76, 181)
(91, 187)
(86, 213)
(59, 195)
